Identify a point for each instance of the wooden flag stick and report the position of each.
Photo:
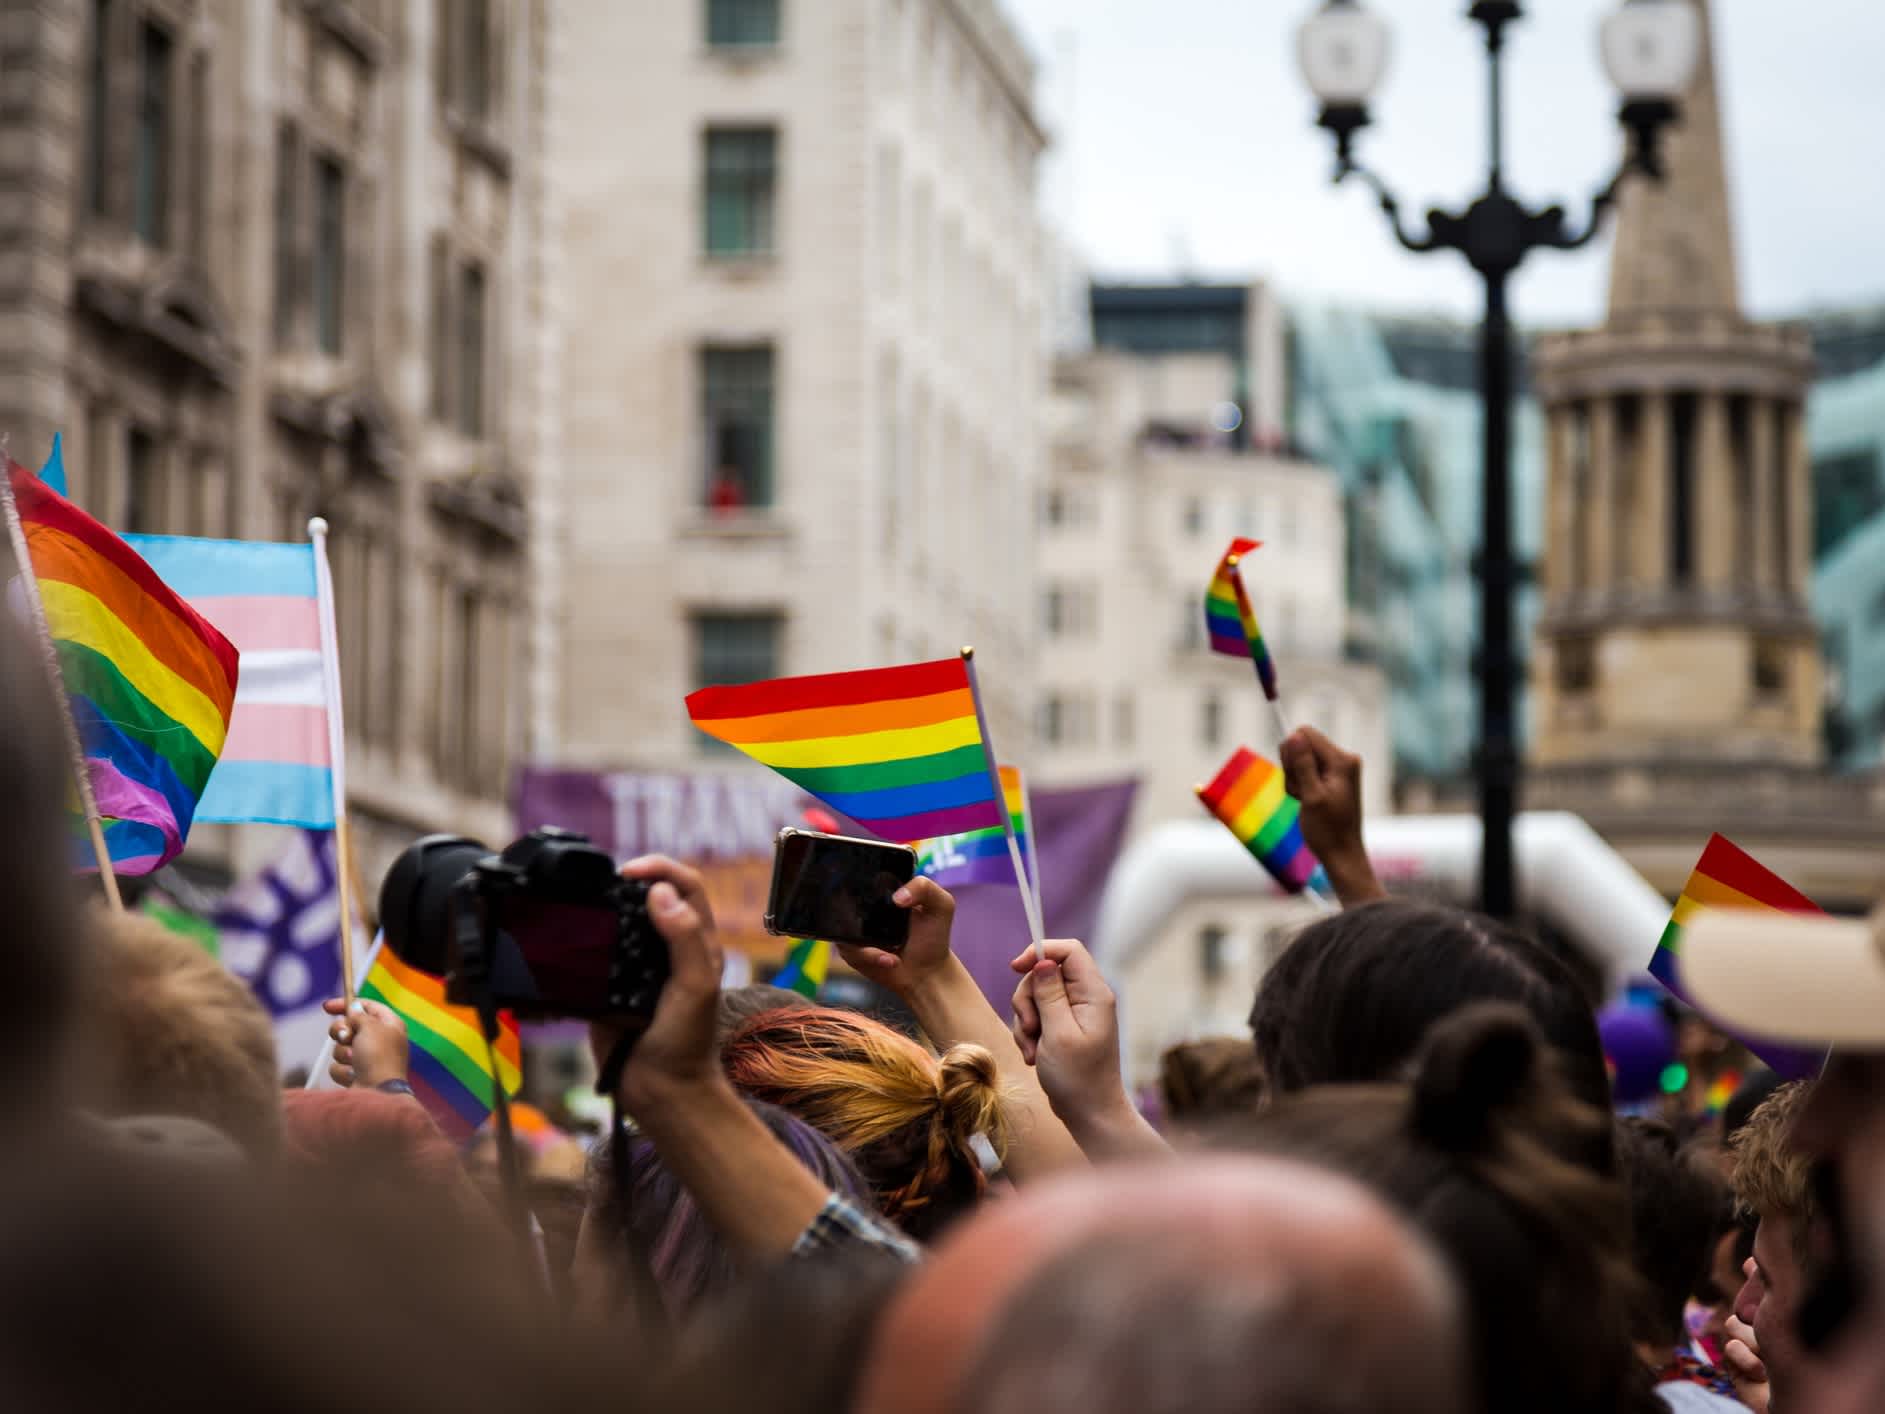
(1029, 903)
(75, 750)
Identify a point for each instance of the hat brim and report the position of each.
(1816, 980)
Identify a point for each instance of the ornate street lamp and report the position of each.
(1650, 49)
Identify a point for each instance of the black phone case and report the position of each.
(773, 901)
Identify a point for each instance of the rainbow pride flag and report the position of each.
(806, 967)
(1248, 796)
(151, 681)
(1727, 876)
(981, 856)
(1229, 619)
(449, 1070)
(276, 766)
(899, 750)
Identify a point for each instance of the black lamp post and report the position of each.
(1650, 48)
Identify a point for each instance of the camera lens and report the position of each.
(415, 895)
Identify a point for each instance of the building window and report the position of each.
(742, 24)
(1053, 508)
(1050, 720)
(736, 407)
(1053, 611)
(150, 211)
(98, 105)
(1194, 516)
(467, 67)
(1213, 954)
(200, 165)
(287, 194)
(1682, 488)
(439, 278)
(1211, 720)
(1190, 623)
(141, 492)
(1770, 666)
(1123, 720)
(471, 354)
(330, 253)
(734, 648)
(1575, 663)
(741, 176)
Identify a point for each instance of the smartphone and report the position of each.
(837, 888)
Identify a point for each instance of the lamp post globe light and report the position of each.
(1650, 50)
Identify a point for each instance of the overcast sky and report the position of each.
(1185, 145)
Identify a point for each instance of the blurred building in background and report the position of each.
(273, 260)
(801, 361)
(1165, 444)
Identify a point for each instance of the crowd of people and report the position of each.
(1407, 1191)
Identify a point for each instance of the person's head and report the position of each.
(906, 1118)
(1773, 1182)
(45, 954)
(177, 1033)
(1202, 1080)
(1748, 1097)
(338, 1131)
(1483, 1151)
(1225, 1283)
(739, 1005)
(1679, 1209)
(1352, 998)
(689, 1261)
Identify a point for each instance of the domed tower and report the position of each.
(1675, 638)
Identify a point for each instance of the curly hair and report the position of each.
(906, 1118)
(1773, 1179)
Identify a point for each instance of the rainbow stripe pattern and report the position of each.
(981, 856)
(1727, 876)
(151, 681)
(276, 766)
(448, 1069)
(806, 967)
(1229, 619)
(899, 750)
(1247, 794)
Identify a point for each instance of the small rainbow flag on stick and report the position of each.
(1248, 796)
(899, 750)
(450, 1069)
(806, 966)
(1727, 876)
(1229, 619)
(981, 856)
(150, 681)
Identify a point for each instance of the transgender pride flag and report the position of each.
(277, 764)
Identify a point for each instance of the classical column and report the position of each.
(1649, 530)
(1604, 553)
(1564, 518)
(1798, 473)
(1764, 472)
(1716, 506)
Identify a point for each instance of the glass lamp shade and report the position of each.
(1343, 52)
(1651, 49)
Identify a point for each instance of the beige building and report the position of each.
(801, 313)
(1148, 483)
(280, 258)
(1678, 680)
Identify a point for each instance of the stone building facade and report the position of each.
(1678, 678)
(802, 354)
(277, 258)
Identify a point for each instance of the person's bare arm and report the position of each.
(1326, 781)
(931, 980)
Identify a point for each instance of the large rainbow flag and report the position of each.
(899, 750)
(981, 856)
(277, 766)
(151, 681)
(448, 1069)
(1727, 876)
(1229, 619)
(1247, 794)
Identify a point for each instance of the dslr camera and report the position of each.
(548, 928)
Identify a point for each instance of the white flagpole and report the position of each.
(1030, 905)
(336, 746)
(1034, 857)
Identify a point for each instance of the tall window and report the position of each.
(1213, 953)
(150, 209)
(741, 177)
(439, 277)
(1682, 488)
(199, 150)
(471, 355)
(1211, 720)
(734, 648)
(466, 58)
(98, 116)
(287, 204)
(140, 483)
(743, 24)
(330, 253)
(1050, 723)
(736, 408)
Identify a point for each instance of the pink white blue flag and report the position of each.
(277, 764)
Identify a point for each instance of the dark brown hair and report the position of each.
(1679, 1207)
(1200, 1080)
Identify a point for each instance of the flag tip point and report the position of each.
(967, 651)
(318, 526)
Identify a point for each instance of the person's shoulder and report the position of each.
(1686, 1397)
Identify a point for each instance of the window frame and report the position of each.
(746, 372)
(733, 10)
(153, 171)
(739, 192)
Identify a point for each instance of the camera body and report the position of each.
(547, 928)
